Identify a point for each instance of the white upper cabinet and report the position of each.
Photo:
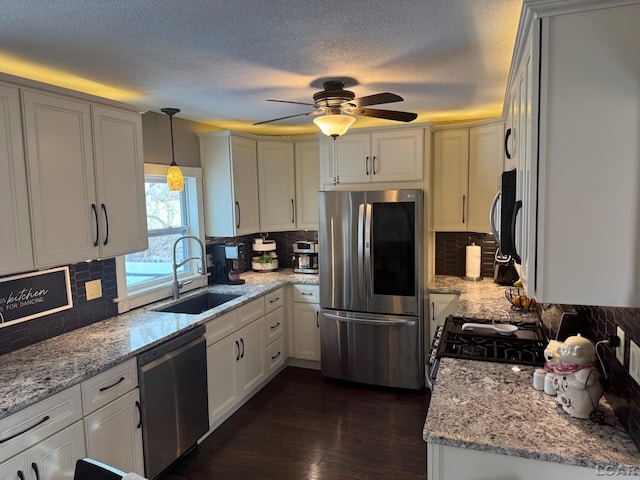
(230, 171)
(16, 254)
(307, 155)
(276, 185)
(83, 206)
(380, 157)
(580, 218)
(467, 167)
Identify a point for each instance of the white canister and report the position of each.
(549, 389)
(538, 379)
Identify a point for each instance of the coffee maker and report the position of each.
(305, 257)
(225, 262)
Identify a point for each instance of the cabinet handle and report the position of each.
(242, 342)
(506, 143)
(274, 300)
(306, 293)
(317, 322)
(433, 311)
(106, 217)
(276, 355)
(366, 165)
(95, 215)
(34, 465)
(20, 475)
(374, 164)
(238, 210)
(44, 419)
(464, 199)
(273, 327)
(293, 212)
(238, 354)
(514, 216)
(139, 415)
(120, 380)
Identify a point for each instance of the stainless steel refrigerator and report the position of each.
(370, 263)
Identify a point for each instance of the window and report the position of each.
(147, 276)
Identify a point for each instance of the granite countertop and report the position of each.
(480, 299)
(35, 372)
(490, 407)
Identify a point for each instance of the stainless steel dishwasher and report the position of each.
(173, 394)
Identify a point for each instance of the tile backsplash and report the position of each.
(451, 252)
(19, 335)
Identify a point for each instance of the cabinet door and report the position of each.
(62, 183)
(245, 186)
(14, 469)
(55, 458)
(252, 356)
(486, 153)
(397, 156)
(441, 305)
(451, 177)
(306, 331)
(353, 158)
(120, 181)
(307, 158)
(114, 434)
(16, 253)
(276, 186)
(222, 381)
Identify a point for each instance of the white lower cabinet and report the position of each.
(454, 463)
(306, 329)
(111, 402)
(441, 305)
(43, 441)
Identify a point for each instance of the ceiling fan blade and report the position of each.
(388, 114)
(376, 99)
(284, 118)
(287, 101)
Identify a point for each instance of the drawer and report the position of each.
(273, 300)
(275, 355)
(251, 311)
(109, 385)
(221, 327)
(306, 294)
(35, 423)
(274, 322)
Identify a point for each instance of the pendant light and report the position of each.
(334, 123)
(175, 180)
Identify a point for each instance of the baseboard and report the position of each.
(298, 362)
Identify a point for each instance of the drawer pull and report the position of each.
(44, 419)
(273, 327)
(306, 293)
(276, 355)
(274, 300)
(111, 386)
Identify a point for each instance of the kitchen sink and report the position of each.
(199, 303)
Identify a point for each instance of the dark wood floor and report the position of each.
(302, 426)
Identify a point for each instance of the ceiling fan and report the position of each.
(338, 107)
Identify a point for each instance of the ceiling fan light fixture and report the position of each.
(334, 125)
(175, 179)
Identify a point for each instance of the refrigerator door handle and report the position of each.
(368, 267)
(361, 239)
(370, 321)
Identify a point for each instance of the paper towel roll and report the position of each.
(473, 262)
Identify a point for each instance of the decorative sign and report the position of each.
(33, 295)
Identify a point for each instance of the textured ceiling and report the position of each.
(219, 60)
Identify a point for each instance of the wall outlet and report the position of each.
(94, 289)
(634, 361)
(620, 348)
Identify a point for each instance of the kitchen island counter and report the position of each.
(492, 407)
(38, 371)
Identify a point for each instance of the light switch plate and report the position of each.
(634, 361)
(94, 289)
(620, 348)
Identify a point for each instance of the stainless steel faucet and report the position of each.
(201, 269)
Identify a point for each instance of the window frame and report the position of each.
(130, 298)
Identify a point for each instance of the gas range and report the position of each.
(525, 346)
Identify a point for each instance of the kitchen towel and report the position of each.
(473, 262)
(133, 476)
